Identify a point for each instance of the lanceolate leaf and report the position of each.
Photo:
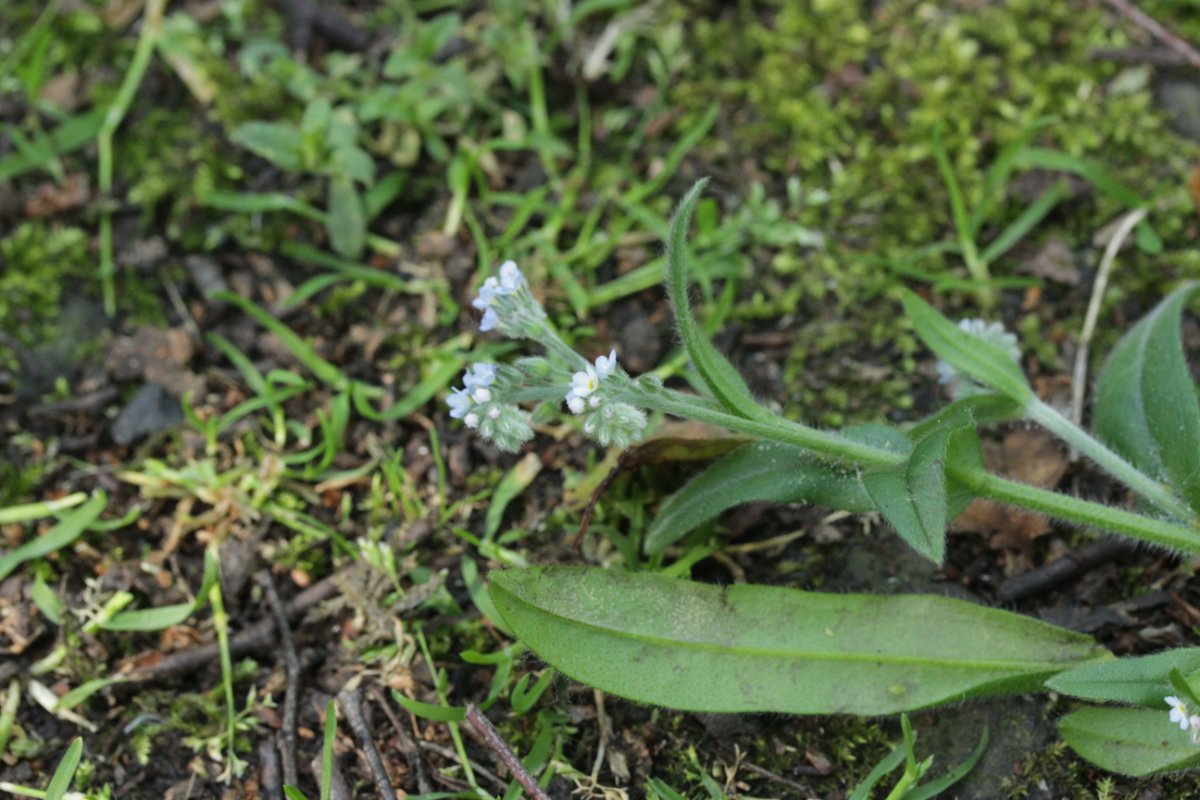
(1146, 405)
(757, 648)
(1141, 681)
(347, 222)
(983, 361)
(1131, 741)
(758, 471)
(719, 375)
(914, 497)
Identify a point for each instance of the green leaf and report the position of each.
(1140, 680)
(347, 223)
(1129, 741)
(293, 793)
(759, 648)
(887, 765)
(718, 374)
(65, 772)
(275, 141)
(82, 692)
(936, 787)
(914, 497)
(157, 619)
(303, 351)
(515, 481)
(429, 710)
(259, 203)
(46, 600)
(69, 528)
(985, 409)
(327, 750)
(1146, 405)
(440, 375)
(759, 471)
(983, 361)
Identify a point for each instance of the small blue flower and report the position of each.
(606, 364)
(481, 374)
(459, 402)
(511, 278)
(487, 294)
(490, 320)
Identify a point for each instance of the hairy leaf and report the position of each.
(1146, 405)
(1131, 741)
(1141, 681)
(275, 141)
(983, 361)
(719, 375)
(915, 497)
(758, 648)
(912, 496)
(758, 471)
(347, 222)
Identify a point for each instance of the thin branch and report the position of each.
(352, 708)
(1079, 376)
(256, 637)
(1146, 22)
(493, 740)
(292, 692)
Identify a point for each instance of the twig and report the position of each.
(408, 748)
(585, 520)
(268, 758)
(481, 771)
(259, 635)
(493, 740)
(292, 691)
(1139, 55)
(1079, 375)
(771, 776)
(332, 26)
(1155, 29)
(352, 708)
(338, 790)
(1060, 570)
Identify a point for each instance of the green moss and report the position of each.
(40, 260)
(848, 96)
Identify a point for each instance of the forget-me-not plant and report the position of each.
(598, 392)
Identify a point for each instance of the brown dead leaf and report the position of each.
(1030, 456)
(1194, 186)
(1054, 261)
(50, 199)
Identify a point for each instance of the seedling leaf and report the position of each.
(758, 648)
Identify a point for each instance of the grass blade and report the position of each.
(65, 771)
(69, 528)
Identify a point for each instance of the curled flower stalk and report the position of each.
(489, 397)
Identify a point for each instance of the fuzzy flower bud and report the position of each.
(991, 332)
(507, 305)
(618, 424)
